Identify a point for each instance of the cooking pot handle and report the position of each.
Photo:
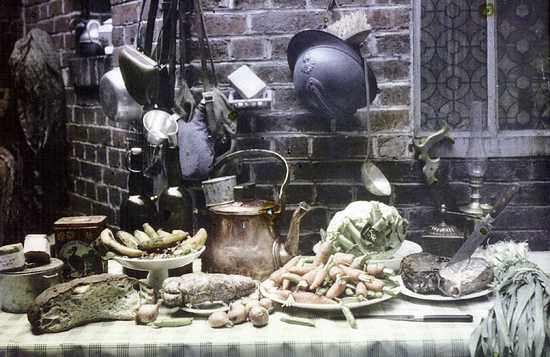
(51, 276)
(258, 152)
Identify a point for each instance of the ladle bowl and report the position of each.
(374, 180)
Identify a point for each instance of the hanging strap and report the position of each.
(206, 54)
(150, 29)
(185, 102)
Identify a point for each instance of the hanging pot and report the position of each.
(142, 76)
(115, 100)
(89, 43)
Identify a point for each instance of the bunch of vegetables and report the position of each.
(518, 324)
(249, 309)
(330, 278)
(151, 243)
(367, 228)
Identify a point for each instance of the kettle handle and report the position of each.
(258, 152)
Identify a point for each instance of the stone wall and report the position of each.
(324, 155)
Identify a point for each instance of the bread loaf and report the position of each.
(80, 301)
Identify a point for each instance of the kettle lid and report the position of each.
(247, 208)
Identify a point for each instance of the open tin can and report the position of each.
(74, 245)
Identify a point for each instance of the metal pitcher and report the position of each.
(242, 238)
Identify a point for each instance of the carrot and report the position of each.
(322, 274)
(335, 271)
(301, 270)
(375, 269)
(343, 258)
(285, 284)
(353, 274)
(361, 289)
(324, 252)
(277, 275)
(374, 284)
(310, 276)
(358, 262)
(294, 278)
(282, 294)
(307, 297)
(336, 289)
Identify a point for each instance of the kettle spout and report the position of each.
(293, 236)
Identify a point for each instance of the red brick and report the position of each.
(208, 5)
(225, 24)
(58, 40)
(279, 46)
(43, 12)
(394, 95)
(31, 14)
(68, 6)
(284, 98)
(55, 8)
(46, 26)
(61, 24)
(289, 4)
(388, 120)
(390, 70)
(272, 72)
(248, 48)
(393, 45)
(250, 4)
(125, 13)
(275, 22)
(218, 47)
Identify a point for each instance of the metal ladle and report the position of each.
(373, 178)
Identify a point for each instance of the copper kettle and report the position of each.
(242, 239)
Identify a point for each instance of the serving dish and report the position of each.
(268, 292)
(158, 268)
(435, 297)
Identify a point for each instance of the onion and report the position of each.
(147, 313)
(258, 316)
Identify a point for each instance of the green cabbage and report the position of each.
(367, 228)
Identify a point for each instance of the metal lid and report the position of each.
(247, 208)
(54, 265)
(79, 221)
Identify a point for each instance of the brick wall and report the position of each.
(324, 155)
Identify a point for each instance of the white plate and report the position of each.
(204, 312)
(158, 267)
(158, 263)
(406, 248)
(326, 307)
(434, 297)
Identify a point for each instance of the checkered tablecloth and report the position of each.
(373, 337)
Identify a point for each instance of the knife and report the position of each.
(483, 227)
(421, 318)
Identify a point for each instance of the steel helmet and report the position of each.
(328, 74)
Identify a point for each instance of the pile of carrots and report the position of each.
(330, 278)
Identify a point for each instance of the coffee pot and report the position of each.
(242, 238)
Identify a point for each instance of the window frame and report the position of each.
(499, 143)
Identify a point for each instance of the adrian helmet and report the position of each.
(329, 74)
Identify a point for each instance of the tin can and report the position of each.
(75, 245)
